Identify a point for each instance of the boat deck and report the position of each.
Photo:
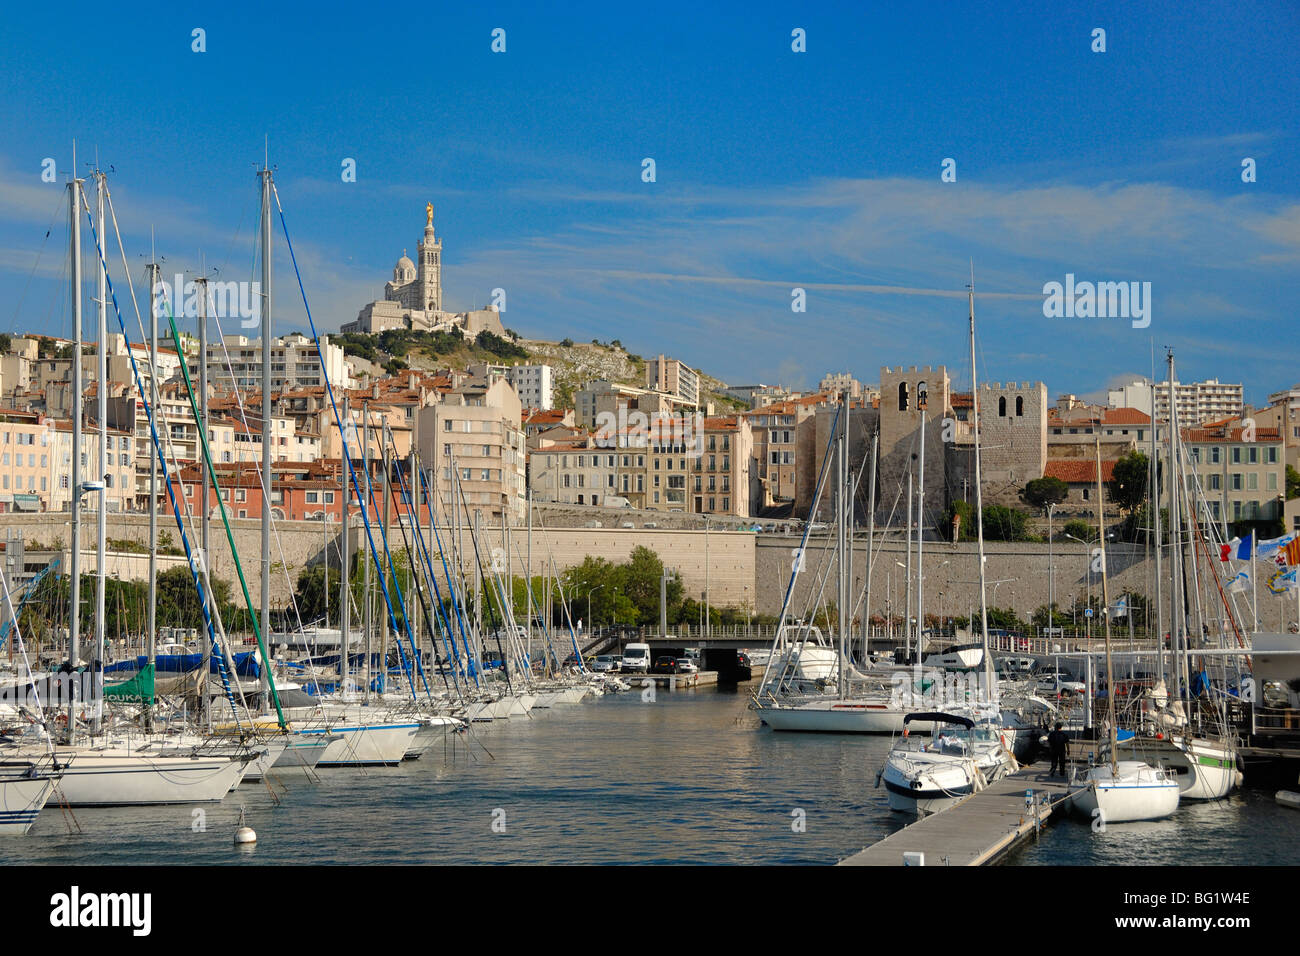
(978, 831)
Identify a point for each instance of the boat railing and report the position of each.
(1276, 720)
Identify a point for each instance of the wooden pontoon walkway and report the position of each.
(978, 831)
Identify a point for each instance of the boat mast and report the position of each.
(841, 597)
(367, 604)
(1155, 533)
(74, 568)
(101, 389)
(871, 535)
(907, 572)
(204, 483)
(344, 608)
(152, 633)
(267, 482)
(1176, 621)
(922, 402)
(1105, 603)
(979, 494)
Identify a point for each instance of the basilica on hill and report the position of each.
(413, 298)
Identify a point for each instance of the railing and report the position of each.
(1274, 720)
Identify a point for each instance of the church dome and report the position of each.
(404, 271)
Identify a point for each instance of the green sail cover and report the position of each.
(139, 689)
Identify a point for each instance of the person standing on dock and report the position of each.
(1057, 741)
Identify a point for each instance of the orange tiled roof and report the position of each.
(1078, 472)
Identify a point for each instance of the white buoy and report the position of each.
(244, 835)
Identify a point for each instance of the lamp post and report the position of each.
(1087, 570)
(591, 624)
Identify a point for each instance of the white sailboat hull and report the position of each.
(21, 801)
(1136, 792)
(1206, 769)
(363, 745)
(111, 778)
(838, 717)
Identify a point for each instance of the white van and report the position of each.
(636, 658)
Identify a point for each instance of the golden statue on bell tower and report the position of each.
(428, 215)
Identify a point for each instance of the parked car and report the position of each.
(604, 663)
(665, 665)
(686, 666)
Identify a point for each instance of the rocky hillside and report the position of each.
(575, 364)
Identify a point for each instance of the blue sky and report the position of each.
(774, 170)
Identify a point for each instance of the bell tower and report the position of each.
(430, 266)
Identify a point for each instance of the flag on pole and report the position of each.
(1273, 545)
(1240, 583)
(1120, 608)
(1289, 554)
(1236, 548)
(1282, 581)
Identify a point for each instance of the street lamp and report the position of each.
(590, 622)
(1087, 570)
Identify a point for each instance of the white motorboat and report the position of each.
(957, 657)
(1127, 791)
(929, 775)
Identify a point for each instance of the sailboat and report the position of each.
(109, 772)
(1121, 791)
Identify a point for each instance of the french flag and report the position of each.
(1236, 548)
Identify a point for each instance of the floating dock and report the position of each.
(979, 831)
(671, 681)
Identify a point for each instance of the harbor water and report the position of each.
(686, 778)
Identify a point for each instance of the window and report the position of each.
(1252, 455)
(902, 397)
(329, 497)
(1002, 407)
(63, 481)
(1270, 455)
(1236, 481)
(1252, 481)
(446, 424)
(108, 481)
(1085, 494)
(313, 497)
(1214, 483)
(1236, 455)
(1020, 406)
(1272, 481)
(1214, 455)
(124, 460)
(43, 484)
(241, 494)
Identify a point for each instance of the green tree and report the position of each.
(6, 344)
(1128, 485)
(1292, 483)
(1080, 529)
(1005, 524)
(1042, 492)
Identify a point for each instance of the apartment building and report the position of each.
(1241, 471)
(576, 472)
(720, 480)
(774, 446)
(36, 464)
(534, 385)
(236, 361)
(674, 378)
(1197, 402)
(476, 429)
